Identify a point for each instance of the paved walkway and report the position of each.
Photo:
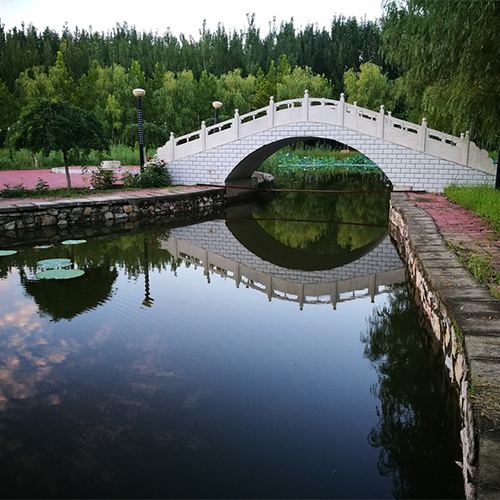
(460, 226)
(442, 281)
(30, 178)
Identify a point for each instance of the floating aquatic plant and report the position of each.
(74, 242)
(60, 274)
(5, 253)
(53, 263)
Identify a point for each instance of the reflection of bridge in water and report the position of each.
(211, 245)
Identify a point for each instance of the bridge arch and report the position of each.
(413, 156)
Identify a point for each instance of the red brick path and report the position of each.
(460, 226)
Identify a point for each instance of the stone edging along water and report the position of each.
(32, 221)
(465, 320)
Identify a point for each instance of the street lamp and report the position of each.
(139, 93)
(217, 105)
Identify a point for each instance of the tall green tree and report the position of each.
(448, 52)
(8, 111)
(301, 79)
(50, 125)
(370, 88)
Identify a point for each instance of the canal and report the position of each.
(270, 351)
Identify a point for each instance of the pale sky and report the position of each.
(180, 16)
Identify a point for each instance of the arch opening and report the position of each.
(248, 165)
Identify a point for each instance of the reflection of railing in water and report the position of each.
(283, 289)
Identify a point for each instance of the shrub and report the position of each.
(17, 191)
(154, 175)
(41, 186)
(102, 179)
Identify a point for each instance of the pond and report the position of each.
(270, 352)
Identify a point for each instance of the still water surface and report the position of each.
(155, 376)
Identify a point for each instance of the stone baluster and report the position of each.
(270, 111)
(203, 135)
(305, 104)
(172, 145)
(236, 124)
(335, 292)
(465, 150)
(423, 135)
(372, 286)
(342, 109)
(381, 122)
(301, 296)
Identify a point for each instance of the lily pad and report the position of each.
(43, 247)
(60, 274)
(74, 242)
(4, 253)
(53, 263)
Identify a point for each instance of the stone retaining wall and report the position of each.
(33, 220)
(465, 320)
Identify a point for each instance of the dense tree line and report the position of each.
(182, 76)
(424, 58)
(448, 53)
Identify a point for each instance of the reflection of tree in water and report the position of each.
(65, 299)
(418, 430)
(51, 385)
(360, 218)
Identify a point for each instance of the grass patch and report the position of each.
(484, 200)
(480, 267)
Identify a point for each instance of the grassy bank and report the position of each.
(485, 201)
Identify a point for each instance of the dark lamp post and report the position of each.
(139, 93)
(217, 105)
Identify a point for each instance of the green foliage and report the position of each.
(41, 186)
(370, 88)
(16, 191)
(447, 52)
(9, 110)
(293, 85)
(315, 226)
(182, 77)
(286, 166)
(25, 160)
(481, 267)
(50, 125)
(484, 200)
(102, 179)
(154, 175)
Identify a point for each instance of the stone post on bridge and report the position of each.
(236, 124)
(341, 109)
(270, 111)
(423, 135)
(381, 122)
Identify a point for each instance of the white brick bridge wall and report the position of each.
(404, 167)
(411, 155)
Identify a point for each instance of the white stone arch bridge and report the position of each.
(412, 156)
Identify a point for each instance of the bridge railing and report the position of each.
(378, 124)
(341, 290)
